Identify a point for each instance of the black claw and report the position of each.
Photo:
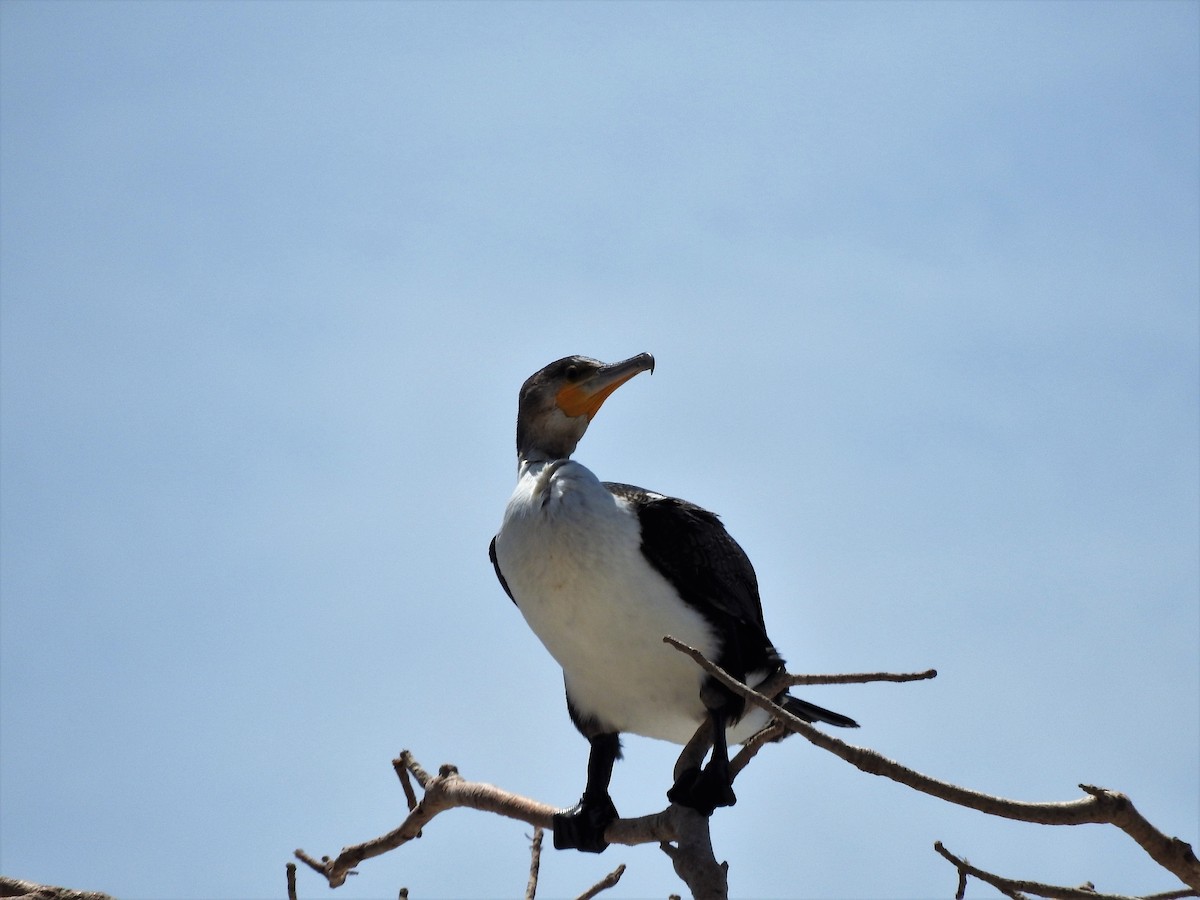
(703, 789)
(582, 826)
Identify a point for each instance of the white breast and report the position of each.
(570, 553)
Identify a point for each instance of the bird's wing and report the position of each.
(690, 547)
(496, 566)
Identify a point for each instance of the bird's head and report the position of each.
(558, 402)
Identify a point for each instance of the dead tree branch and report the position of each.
(754, 743)
(1017, 888)
(781, 681)
(858, 678)
(692, 856)
(446, 790)
(683, 831)
(684, 836)
(1101, 806)
(535, 863)
(604, 883)
(16, 889)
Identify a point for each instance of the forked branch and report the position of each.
(1100, 806)
(674, 826)
(446, 790)
(683, 834)
(1011, 887)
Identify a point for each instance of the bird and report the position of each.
(601, 572)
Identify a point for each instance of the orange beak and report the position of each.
(584, 397)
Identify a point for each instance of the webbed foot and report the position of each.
(703, 789)
(582, 826)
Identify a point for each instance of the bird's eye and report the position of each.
(572, 373)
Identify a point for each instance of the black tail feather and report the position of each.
(810, 712)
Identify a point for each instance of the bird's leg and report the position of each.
(705, 789)
(582, 826)
(695, 750)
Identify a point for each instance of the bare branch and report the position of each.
(312, 863)
(781, 681)
(410, 796)
(445, 791)
(535, 863)
(683, 834)
(1101, 806)
(692, 856)
(449, 790)
(961, 892)
(28, 890)
(406, 761)
(1012, 887)
(860, 678)
(604, 883)
(753, 744)
(291, 881)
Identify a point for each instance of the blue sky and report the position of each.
(922, 282)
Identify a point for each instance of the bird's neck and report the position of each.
(526, 458)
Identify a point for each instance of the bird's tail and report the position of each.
(810, 712)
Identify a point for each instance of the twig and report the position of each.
(753, 744)
(693, 752)
(291, 880)
(604, 883)
(410, 796)
(312, 863)
(860, 678)
(781, 681)
(535, 863)
(961, 892)
(406, 760)
(1100, 806)
(1011, 886)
